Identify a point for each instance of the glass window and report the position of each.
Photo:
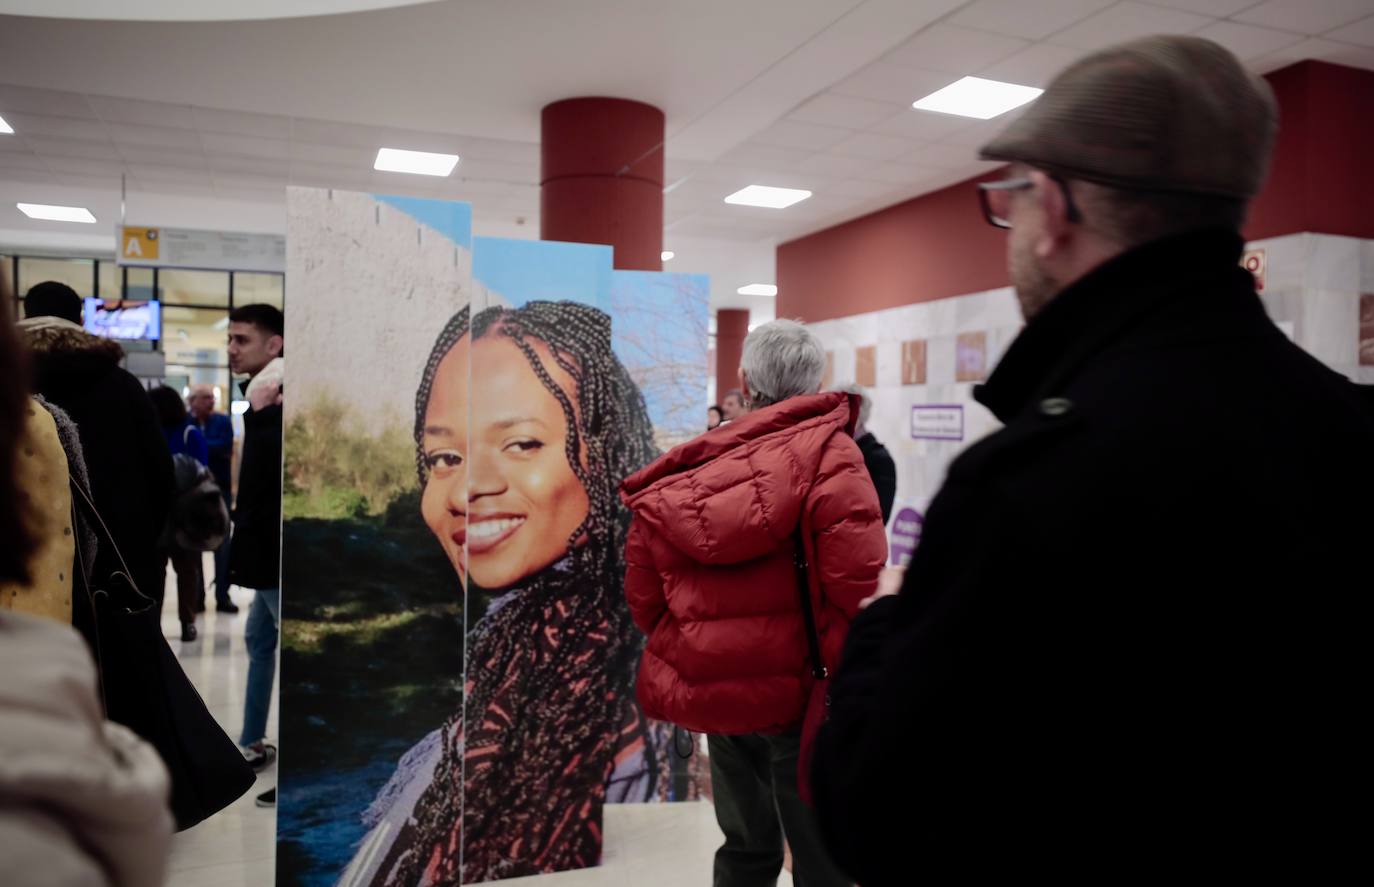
(110, 280)
(138, 284)
(195, 337)
(79, 274)
(208, 288)
(253, 289)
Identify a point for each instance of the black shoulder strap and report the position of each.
(81, 500)
(813, 639)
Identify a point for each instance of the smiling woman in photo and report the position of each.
(525, 425)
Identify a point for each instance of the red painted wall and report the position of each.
(938, 245)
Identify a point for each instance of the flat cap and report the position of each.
(1165, 113)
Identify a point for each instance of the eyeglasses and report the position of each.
(996, 199)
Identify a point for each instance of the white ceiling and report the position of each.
(192, 10)
(798, 93)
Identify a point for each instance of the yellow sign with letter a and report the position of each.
(138, 244)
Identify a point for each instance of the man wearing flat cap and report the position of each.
(1131, 640)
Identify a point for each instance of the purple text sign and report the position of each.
(906, 535)
(937, 421)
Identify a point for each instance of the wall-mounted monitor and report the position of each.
(124, 319)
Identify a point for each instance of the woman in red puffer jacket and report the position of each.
(712, 583)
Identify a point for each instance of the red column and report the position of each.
(732, 325)
(602, 178)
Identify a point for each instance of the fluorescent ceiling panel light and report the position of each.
(421, 163)
(758, 289)
(667, 255)
(767, 196)
(977, 98)
(5, 128)
(56, 213)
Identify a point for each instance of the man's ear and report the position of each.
(275, 346)
(1054, 209)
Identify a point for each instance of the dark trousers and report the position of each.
(754, 781)
(222, 564)
(190, 583)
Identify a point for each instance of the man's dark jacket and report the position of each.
(1133, 636)
(255, 554)
(882, 469)
(127, 459)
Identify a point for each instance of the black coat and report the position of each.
(127, 460)
(883, 471)
(1133, 634)
(255, 554)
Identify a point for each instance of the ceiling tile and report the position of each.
(498, 149)
(1248, 41)
(66, 127)
(14, 144)
(954, 50)
(939, 156)
(835, 165)
(324, 132)
(249, 194)
(159, 173)
(792, 134)
(1036, 65)
(182, 189)
(22, 163)
(265, 167)
(155, 137)
(149, 156)
(1214, 8)
(872, 145)
(56, 147)
(1306, 16)
(1128, 21)
(1018, 18)
(922, 126)
(522, 173)
(247, 146)
(86, 166)
(859, 189)
(983, 131)
(339, 155)
(142, 113)
(44, 101)
(263, 126)
(840, 110)
(765, 155)
(886, 82)
(1362, 32)
(896, 173)
(1321, 50)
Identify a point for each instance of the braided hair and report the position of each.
(550, 670)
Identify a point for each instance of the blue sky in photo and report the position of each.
(523, 271)
(451, 218)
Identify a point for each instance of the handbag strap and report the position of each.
(813, 639)
(82, 497)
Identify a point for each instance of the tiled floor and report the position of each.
(666, 845)
(236, 847)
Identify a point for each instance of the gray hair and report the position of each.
(865, 402)
(781, 359)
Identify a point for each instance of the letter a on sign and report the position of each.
(140, 243)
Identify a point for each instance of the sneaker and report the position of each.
(267, 798)
(260, 755)
(226, 607)
(188, 632)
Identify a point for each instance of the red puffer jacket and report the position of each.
(710, 577)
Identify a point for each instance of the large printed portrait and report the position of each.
(530, 401)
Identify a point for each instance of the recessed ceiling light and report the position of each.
(5, 128)
(667, 255)
(758, 289)
(56, 213)
(978, 98)
(421, 163)
(767, 196)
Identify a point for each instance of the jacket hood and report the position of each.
(736, 492)
(63, 347)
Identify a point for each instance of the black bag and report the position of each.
(199, 520)
(145, 689)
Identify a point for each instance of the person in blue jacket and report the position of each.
(218, 429)
(183, 438)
